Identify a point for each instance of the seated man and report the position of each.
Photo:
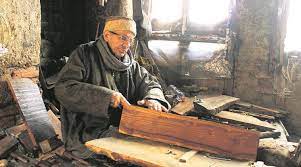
(97, 78)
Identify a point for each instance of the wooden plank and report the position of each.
(26, 142)
(16, 130)
(257, 115)
(245, 119)
(149, 153)
(184, 107)
(7, 144)
(248, 107)
(191, 133)
(215, 104)
(30, 72)
(56, 123)
(31, 106)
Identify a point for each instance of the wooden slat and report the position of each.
(245, 119)
(56, 124)
(257, 115)
(259, 109)
(32, 108)
(184, 107)
(16, 130)
(191, 133)
(30, 72)
(153, 154)
(215, 104)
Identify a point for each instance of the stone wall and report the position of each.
(19, 33)
(253, 77)
(262, 75)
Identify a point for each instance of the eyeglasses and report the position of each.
(123, 38)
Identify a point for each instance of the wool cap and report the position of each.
(120, 23)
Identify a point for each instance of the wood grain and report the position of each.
(191, 133)
(215, 104)
(184, 107)
(149, 153)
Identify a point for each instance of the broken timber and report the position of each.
(215, 104)
(31, 106)
(191, 133)
(149, 153)
(250, 121)
(260, 110)
(184, 107)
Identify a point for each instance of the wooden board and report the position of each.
(191, 133)
(56, 123)
(245, 119)
(215, 104)
(184, 107)
(150, 153)
(31, 106)
(258, 109)
(257, 115)
(16, 130)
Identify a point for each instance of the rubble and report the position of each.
(274, 149)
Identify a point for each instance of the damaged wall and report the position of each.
(291, 73)
(253, 79)
(262, 74)
(19, 33)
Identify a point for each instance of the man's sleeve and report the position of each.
(77, 96)
(148, 86)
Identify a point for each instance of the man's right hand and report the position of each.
(117, 98)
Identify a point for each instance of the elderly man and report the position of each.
(99, 76)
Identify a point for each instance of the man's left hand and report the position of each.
(152, 104)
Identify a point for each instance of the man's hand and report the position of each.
(152, 104)
(117, 99)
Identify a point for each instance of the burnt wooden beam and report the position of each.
(257, 115)
(248, 107)
(190, 37)
(195, 134)
(31, 106)
(249, 121)
(215, 104)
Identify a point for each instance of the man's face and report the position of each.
(119, 41)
